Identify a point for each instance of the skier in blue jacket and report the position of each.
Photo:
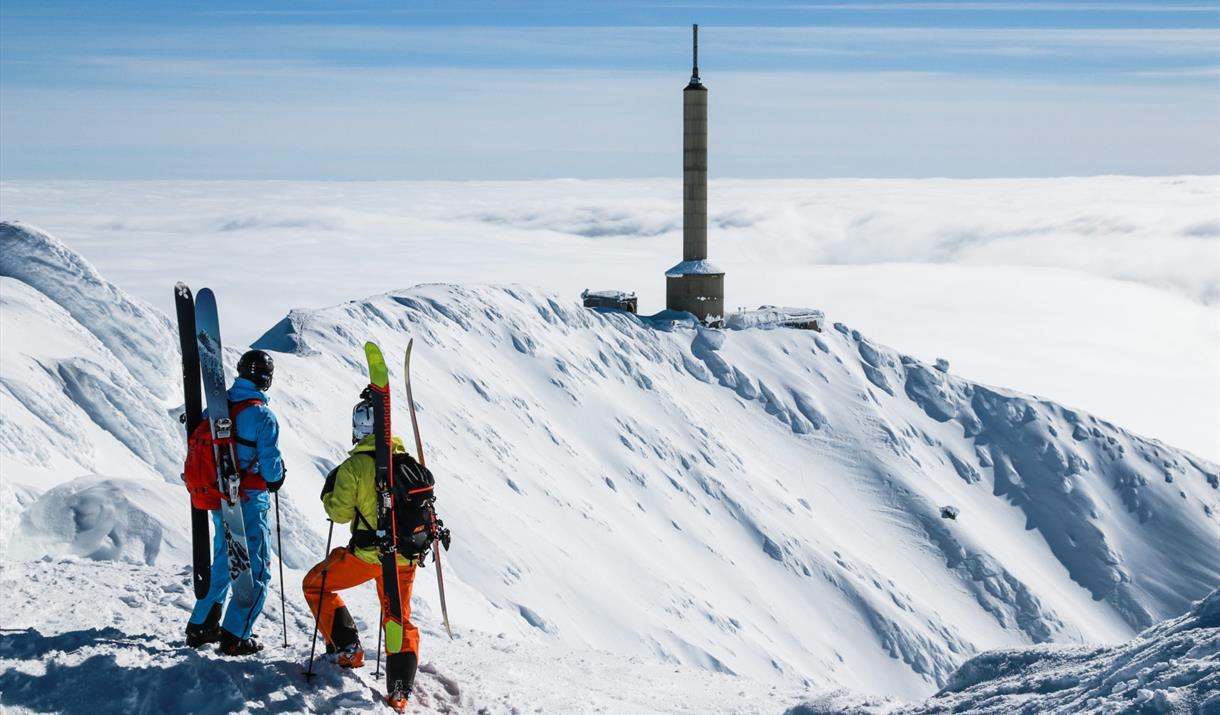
(258, 455)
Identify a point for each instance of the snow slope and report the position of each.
(132, 331)
(89, 372)
(122, 651)
(752, 509)
(1173, 667)
(684, 493)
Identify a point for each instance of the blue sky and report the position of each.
(486, 90)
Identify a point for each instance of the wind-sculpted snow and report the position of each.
(635, 484)
(1173, 667)
(763, 503)
(70, 405)
(104, 520)
(139, 336)
(1060, 468)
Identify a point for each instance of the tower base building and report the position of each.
(695, 287)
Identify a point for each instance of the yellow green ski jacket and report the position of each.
(351, 488)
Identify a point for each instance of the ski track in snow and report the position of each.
(647, 516)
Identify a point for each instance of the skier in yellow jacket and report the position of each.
(350, 496)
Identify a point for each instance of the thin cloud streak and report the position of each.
(630, 48)
(266, 100)
(1011, 7)
(1187, 72)
(455, 124)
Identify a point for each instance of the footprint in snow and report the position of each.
(451, 686)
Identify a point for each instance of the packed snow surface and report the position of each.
(646, 515)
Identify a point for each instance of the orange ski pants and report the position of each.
(343, 570)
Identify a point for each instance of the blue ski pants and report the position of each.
(238, 620)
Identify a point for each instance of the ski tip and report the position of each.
(378, 373)
(182, 289)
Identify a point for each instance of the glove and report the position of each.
(274, 487)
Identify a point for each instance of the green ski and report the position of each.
(379, 394)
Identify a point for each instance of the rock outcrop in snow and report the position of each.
(765, 503)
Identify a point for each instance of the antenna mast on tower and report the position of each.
(694, 75)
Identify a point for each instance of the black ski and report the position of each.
(192, 415)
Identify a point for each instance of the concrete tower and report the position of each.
(695, 285)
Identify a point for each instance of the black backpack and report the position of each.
(413, 510)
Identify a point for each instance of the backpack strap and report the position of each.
(360, 518)
(329, 485)
(236, 408)
(362, 538)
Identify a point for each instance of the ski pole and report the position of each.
(377, 673)
(314, 642)
(279, 545)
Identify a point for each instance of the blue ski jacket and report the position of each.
(258, 435)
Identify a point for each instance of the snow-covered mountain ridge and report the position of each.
(89, 374)
(765, 503)
(808, 469)
(1101, 292)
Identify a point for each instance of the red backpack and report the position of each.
(200, 470)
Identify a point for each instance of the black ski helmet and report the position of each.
(257, 367)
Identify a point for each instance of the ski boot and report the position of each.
(397, 699)
(400, 678)
(232, 645)
(343, 647)
(351, 656)
(199, 634)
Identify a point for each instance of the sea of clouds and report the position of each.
(1163, 232)
(1099, 292)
